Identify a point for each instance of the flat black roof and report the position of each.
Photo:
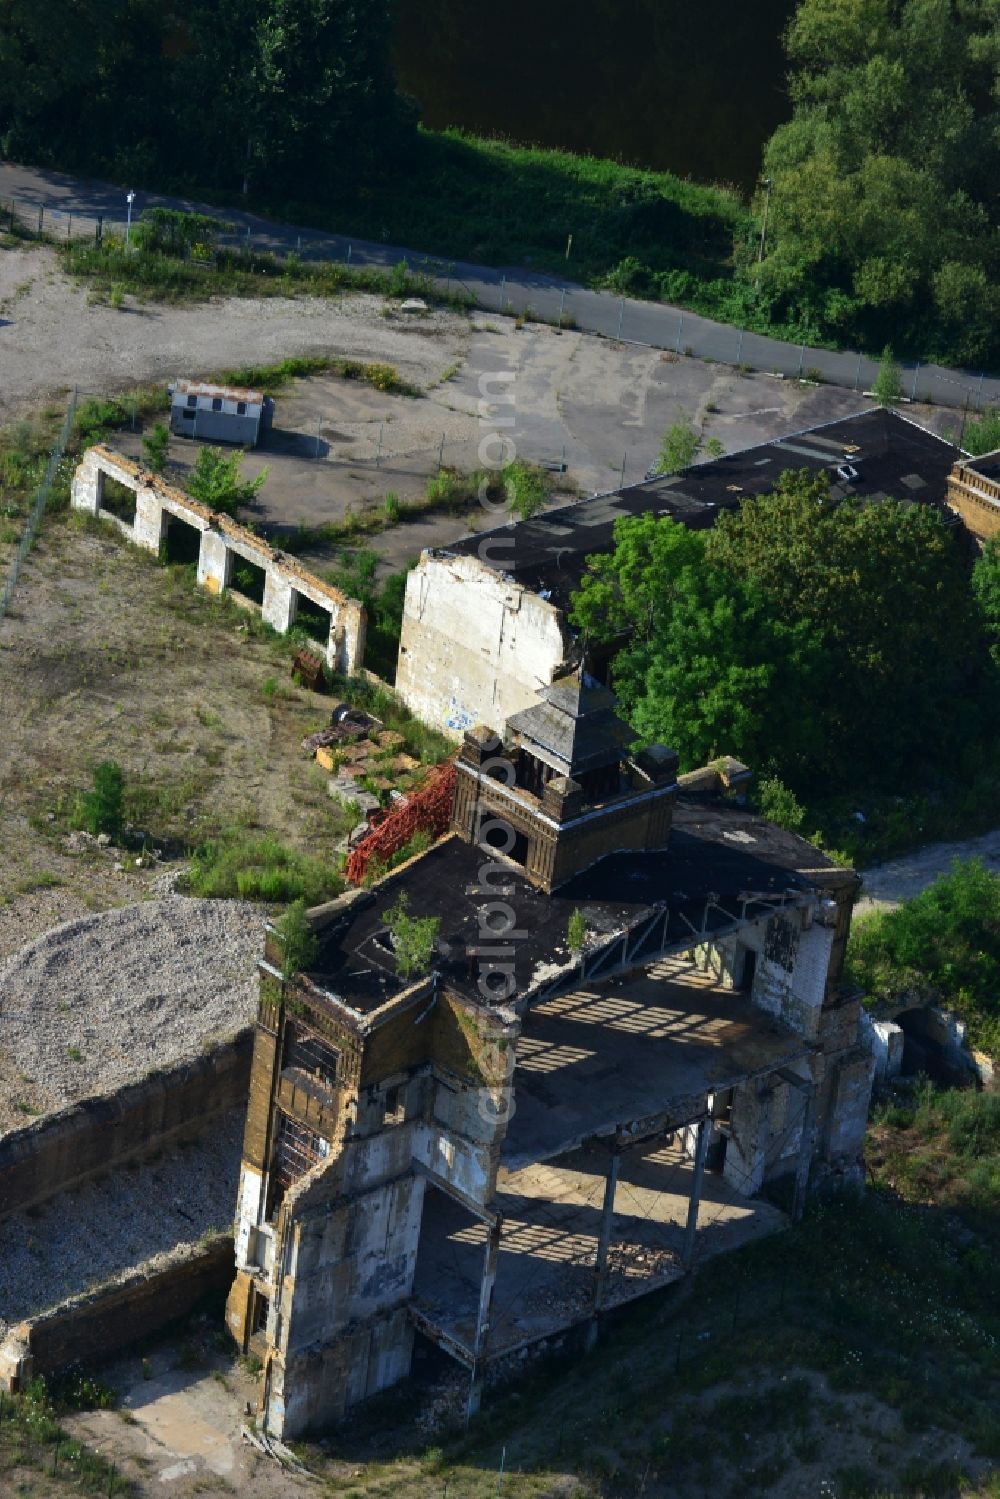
(894, 458)
(716, 848)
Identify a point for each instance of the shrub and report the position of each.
(100, 809)
(391, 507)
(155, 446)
(413, 938)
(888, 387)
(298, 941)
(258, 866)
(576, 931)
(525, 487)
(778, 804)
(217, 482)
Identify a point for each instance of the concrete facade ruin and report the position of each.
(222, 544)
(494, 1152)
(974, 494)
(485, 622)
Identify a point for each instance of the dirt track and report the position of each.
(900, 879)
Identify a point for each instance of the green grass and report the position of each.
(259, 866)
(154, 276)
(36, 1452)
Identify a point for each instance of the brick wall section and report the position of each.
(103, 1133)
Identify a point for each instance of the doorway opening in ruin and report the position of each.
(118, 499)
(312, 619)
(926, 1049)
(181, 544)
(498, 839)
(248, 580)
(749, 969)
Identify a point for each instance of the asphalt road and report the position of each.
(515, 289)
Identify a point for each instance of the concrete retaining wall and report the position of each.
(222, 541)
(107, 1320)
(101, 1134)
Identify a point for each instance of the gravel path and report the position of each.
(101, 1001)
(886, 885)
(138, 1215)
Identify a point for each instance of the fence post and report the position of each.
(739, 351)
(621, 318)
(624, 456)
(680, 325)
(802, 360)
(562, 305)
(69, 228)
(503, 288)
(99, 232)
(979, 392)
(41, 217)
(857, 378)
(913, 387)
(441, 452)
(378, 455)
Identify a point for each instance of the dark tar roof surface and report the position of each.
(715, 848)
(893, 457)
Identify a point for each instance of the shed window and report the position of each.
(192, 402)
(241, 408)
(216, 403)
(188, 415)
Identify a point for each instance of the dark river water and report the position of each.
(693, 87)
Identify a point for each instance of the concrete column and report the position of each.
(604, 1243)
(279, 602)
(150, 521)
(483, 1320)
(349, 656)
(88, 482)
(215, 562)
(808, 1096)
(687, 1255)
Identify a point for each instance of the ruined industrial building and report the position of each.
(485, 626)
(495, 1151)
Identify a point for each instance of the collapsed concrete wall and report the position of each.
(475, 648)
(223, 542)
(102, 1133)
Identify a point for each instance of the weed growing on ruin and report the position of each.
(297, 940)
(576, 931)
(414, 938)
(526, 488)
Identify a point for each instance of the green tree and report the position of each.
(779, 804)
(217, 482)
(99, 810)
(680, 445)
(888, 385)
(884, 215)
(986, 590)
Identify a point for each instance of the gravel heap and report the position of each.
(102, 1001)
(137, 1215)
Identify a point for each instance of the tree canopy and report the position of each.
(827, 642)
(291, 91)
(884, 214)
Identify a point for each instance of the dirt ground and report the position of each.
(178, 1431)
(108, 656)
(590, 407)
(900, 879)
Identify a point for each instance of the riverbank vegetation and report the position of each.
(881, 216)
(842, 650)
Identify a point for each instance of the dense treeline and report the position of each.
(885, 214)
(843, 648)
(292, 94)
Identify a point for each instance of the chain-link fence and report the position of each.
(527, 293)
(37, 510)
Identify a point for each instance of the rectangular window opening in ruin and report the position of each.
(181, 544)
(296, 1151)
(394, 1109)
(506, 840)
(118, 499)
(312, 620)
(248, 579)
(305, 1052)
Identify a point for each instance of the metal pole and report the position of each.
(857, 378)
(562, 305)
(621, 317)
(378, 455)
(441, 452)
(350, 249)
(624, 456)
(318, 427)
(913, 388)
(680, 325)
(503, 288)
(69, 228)
(739, 351)
(979, 392)
(802, 359)
(41, 216)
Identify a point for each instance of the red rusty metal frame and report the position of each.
(428, 811)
